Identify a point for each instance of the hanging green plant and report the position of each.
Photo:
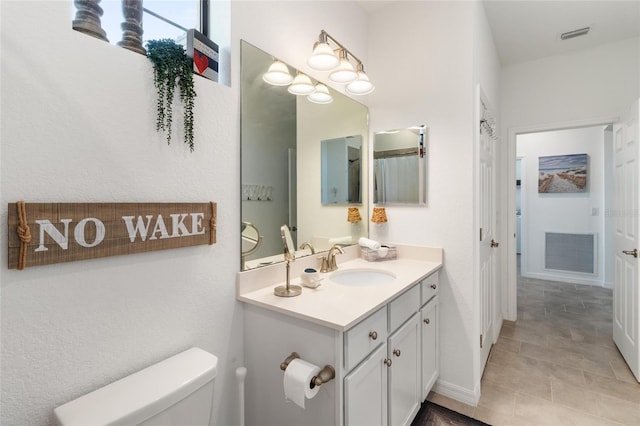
(172, 66)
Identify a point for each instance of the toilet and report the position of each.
(177, 391)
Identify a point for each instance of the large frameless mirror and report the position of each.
(399, 166)
(282, 166)
(341, 167)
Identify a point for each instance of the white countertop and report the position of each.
(340, 306)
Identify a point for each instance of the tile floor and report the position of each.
(557, 365)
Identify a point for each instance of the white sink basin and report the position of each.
(362, 277)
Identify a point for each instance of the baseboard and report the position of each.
(464, 395)
(496, 330)
(572, 279)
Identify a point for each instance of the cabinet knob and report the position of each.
(426, 321)
(433, 286)
(387, 362)
(396, 352)
(373, 335)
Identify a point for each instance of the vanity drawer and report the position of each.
(403, 307)
(361, 339)
(429, 287)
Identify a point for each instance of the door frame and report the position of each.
(509, 290)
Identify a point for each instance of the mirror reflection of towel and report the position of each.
(340, 240)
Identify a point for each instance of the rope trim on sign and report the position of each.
(212, 223)
(24, 233)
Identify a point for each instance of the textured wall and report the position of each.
(78, 125)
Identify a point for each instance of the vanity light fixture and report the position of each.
(341, 69)
(278, 74)
(379, 215)
(320, 95)
(301, 85)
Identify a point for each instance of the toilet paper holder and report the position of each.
(325, 374)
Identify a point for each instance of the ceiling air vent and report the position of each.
(575, 33)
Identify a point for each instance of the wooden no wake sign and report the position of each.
(47, 233)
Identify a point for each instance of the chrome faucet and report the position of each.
(309, 246)
(329, 262)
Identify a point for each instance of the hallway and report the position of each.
(557, 365)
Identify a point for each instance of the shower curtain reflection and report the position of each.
(394, 180)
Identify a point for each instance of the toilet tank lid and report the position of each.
(141, 395)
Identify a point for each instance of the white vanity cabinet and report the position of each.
(385, 363)
(430, 334)
(430, 352)
(400, 370)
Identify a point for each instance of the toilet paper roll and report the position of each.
(297, 381)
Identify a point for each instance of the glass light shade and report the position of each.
(323, 58)
(277, 74)
(345, 72)
(301, 85)
(361, 85)
(320, 95)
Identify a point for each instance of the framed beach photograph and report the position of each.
(562, 173)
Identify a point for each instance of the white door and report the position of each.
(487, 220)
(626, 295)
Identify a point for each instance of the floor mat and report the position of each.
(431, 414)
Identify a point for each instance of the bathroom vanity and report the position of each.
(381, 338)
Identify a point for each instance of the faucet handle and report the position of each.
(325, 265)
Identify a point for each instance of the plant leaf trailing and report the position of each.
(172, 66)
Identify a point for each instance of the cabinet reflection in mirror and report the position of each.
(341, 170)
(399, 163)
(281, 136)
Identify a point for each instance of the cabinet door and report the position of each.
(365, 390)
(404, 372)
(430, 346)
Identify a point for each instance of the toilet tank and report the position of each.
(177, 391)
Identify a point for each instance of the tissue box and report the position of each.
(372, 255)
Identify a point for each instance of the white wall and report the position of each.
(429, 78)
(78, 125)
(586, 87)
(567, 213)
